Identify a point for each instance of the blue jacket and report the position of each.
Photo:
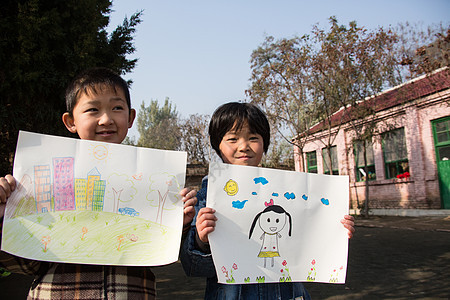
(200, 264)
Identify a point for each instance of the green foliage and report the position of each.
(158, 126)
(43, 45)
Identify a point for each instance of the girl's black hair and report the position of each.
(234, 115)
(92, 80)
(275, 208)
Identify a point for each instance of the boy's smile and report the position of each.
(242, 147)
(102, 116)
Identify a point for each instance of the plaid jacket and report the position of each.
(76, 281)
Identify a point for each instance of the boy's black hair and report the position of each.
(91, 80)
(234, 115)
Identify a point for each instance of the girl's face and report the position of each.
(242, 147)
(272, 222)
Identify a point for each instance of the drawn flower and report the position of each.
(235, 266)
(313, 262)
(281, 270)
(224, 269)
(84, 230)
(120, 238)
(284, 263)
(45, 240)
(342, 267)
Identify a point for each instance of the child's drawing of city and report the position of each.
(277, 226)
(88, 202)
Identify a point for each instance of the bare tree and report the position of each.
(194, 138)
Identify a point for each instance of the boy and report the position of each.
(98, 109)
(240, 134)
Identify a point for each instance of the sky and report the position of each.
(197, 52)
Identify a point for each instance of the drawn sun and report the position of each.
(100, 152)
(231, 187)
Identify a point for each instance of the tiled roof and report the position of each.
(412, 90)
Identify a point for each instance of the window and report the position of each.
(395, 154)
(442, 131)
(334, 161)
(311, 161)
(358, 148)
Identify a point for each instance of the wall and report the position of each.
(421, 190)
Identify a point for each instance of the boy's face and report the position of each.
(102, 116)
(242, 147)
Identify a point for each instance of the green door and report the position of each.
(441, 133)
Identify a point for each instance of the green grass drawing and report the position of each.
(90, 237)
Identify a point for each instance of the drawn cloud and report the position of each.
(261, 180)
(239, 204)
(325, 201)
(289, 196)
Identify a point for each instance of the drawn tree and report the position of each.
(121, 188)
(163, 186)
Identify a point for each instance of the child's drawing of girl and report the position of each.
(271, 220)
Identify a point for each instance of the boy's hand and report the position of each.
(7, 186)
(349, 223)
(189, 199)
(206, 222)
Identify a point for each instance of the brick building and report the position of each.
(408, 162)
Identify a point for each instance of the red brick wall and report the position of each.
(421, 190)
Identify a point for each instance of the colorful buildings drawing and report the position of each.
(63, 183)
(42, 188)
(92, 177)
(98, 196)
(80, 193)
(69, 193)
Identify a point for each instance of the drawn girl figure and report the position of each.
(271, 220)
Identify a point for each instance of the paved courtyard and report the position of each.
(389, 258)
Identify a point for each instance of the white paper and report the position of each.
(90, 202)
(310, 208)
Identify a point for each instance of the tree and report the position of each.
(279, 154)
(158, 126)
(306, 80)
(278, 85)
(195, 140)
(43, 45)
(422, 51)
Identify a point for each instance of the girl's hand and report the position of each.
(206, 222)
(349, 223)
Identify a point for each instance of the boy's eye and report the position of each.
(118, 108)
(92, 109)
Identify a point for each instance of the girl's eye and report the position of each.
(268, 220)
(232, 139)
(277, 220)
